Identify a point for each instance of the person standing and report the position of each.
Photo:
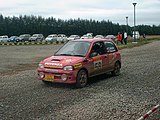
(119, 38)
(125, 38)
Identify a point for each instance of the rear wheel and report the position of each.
(81, 79)
(116, 70)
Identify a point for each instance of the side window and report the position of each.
(98, 48)
(110, 47)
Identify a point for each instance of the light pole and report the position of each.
(134, 4)
(127, 24)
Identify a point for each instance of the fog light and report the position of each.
(41, 75)
(64, 77)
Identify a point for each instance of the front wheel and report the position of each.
(81, 79)
(116, 70)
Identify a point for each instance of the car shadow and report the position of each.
(91, 82)
(99, 78)
(59, 85)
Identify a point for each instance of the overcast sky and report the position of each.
(147, 11)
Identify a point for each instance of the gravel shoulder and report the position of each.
(124, 97)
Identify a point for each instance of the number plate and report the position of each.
(49, 77)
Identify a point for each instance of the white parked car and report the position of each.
(99, 36)
(110, 37)
(61, 38)
(73, 37)
(4, 38)
(136, 34)
(86, 37)
(52, 37)
(36, 37)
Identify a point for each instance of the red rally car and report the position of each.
(78, 60)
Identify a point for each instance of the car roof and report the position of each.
(94, 40)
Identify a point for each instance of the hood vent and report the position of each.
(55, 60)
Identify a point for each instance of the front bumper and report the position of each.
(57, 75)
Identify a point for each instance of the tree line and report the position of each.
(37, 24)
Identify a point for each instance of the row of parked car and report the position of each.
(50, 38)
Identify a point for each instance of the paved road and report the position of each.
(125, 97)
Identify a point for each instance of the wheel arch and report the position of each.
(83, 68)
(118, 62)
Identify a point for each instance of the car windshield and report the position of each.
(21, 35)
(35, 35)
(72, 36)
(74, 48)
(110, 36)
(84, 36)
(98, 36)
(60, 35)
(51, 36)
(13, 37)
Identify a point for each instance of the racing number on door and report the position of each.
(98, 64)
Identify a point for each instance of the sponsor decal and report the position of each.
(54, 65)
(78, 65)
(98, 64)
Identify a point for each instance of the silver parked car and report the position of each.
(36, 37)
(73, 37)
(99, 36)
(51, 38)
(111, 37)
(4, 38)
(61, 38)
(23, 37)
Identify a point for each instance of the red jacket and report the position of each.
(119, 37)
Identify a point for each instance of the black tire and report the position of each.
(81, 79)
(116, 70)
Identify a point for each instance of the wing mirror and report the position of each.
(93, 54)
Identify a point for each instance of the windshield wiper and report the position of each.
(64, 54)
(79, 55)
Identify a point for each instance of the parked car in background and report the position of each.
(111, 37)
(51, 38)
(36, 37)
(73, 37)
(90, 35)
(4, 38)
(87, 36)
(136, 34)
(13, 39)
(61, 38)
(80, 59)
(99, 36)
(23, 38)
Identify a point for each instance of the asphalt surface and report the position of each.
(124, 97)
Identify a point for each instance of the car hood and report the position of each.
(61, 61)
(70, 38)
(49, 38)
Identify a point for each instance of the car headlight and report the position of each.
(68, 68)
(41, 66)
